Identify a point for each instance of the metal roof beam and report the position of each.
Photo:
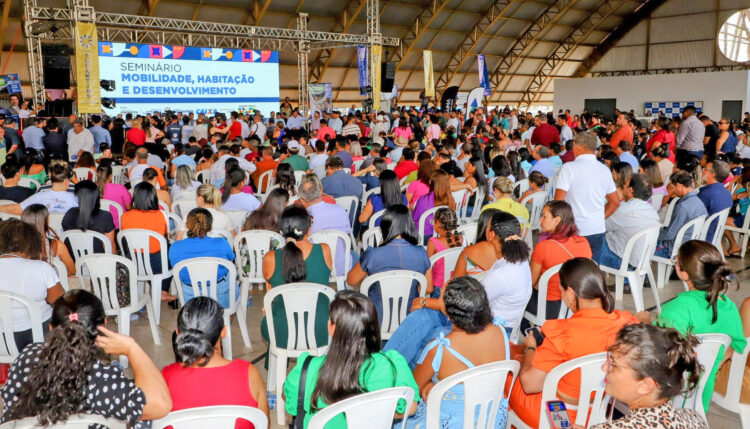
(256, 11)
(342, 24)
(423, 20)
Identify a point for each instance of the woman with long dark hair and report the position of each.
(268, 214)
(112, 192)
(34, 167)
(88, 215)
(117, 131)
(151, 176)
(232, 197)
(37, 215)
(66, 374)
(354, 363)
(421, 186)
(591, 329)
(201, 376)
(390, 195)
(285, 179)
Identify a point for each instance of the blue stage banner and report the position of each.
(364, 77)
(484, 78)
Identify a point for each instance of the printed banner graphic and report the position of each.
(320, 97)
(142, 78)
(484, 78)
(670, 108)
(364, 76)
(474, 100)
(429, 80)
(87, 68)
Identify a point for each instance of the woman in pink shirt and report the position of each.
(421, 186)
(112, 192)
(403, 133)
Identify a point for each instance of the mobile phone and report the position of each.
(537, 333)
(558, 415)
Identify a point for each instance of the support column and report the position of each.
(375, 40)
(303, 49)
(34, 55)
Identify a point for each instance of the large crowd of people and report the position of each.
(544, 191)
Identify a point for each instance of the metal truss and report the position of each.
(526, 43)
(343, 23)
(303, 48)
(564, 50)
(701, 69)
(421, 23)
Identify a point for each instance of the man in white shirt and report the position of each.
(587, 185)
(258, 129)
(295, 121)
(565, 132)
(57, 199)
(318, 161)
(217, 170)
(633, 215)
(336, 123)
(79, 140)
(513, 120)
(454, 123)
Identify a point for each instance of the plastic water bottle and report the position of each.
(271, 400)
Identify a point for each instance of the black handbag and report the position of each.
(299, 420)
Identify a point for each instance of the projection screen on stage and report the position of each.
(142, 78)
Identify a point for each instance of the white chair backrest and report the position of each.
(238, 218)
(461, 198)
(690, 231)
(115, 209)
(8, 300)
(184, 195)
(164, 207)
(265, 181)
(656, 200)
(221, 416)
(536, 200)
(484, 388)
(6, 216)
(424, 218)
(182, 207)
(449, 258)
(334, 241)
(366, 194)
(28, 182)
(349, 204)
(540, 317)
(102, 270)
(84, 173)
(520, 187)
(298, 175)
(371, 238)
(395, 287)
(55, 221)
(718, 220)
(118, 174)
(469, 231)
(731, 399)
(708, 352)
(138, 245)
(82, 243)
(250, 247)
(374, 219)
(367, 410)
(479, 195)
(204, 278)
(402, 181)
(647, 238)
(80, 421)
(591, 399)
(203, 176)
(62, 272)
(668, 212)
(526, 233)
(173, 224)
(300, 303)
(357, 164)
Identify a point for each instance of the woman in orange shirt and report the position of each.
(146, 215)
(563, 243)
(591, 329)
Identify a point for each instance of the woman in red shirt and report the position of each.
(135, 133)
(664, 136)
(202, 377)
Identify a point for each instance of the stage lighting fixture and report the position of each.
(107, 85)
(109, 103)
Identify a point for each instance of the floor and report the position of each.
(162, 355)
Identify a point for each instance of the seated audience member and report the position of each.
(286, 180)
(621, 174)
(480, 256)
(24, 273)
(209, 198)
(113, 192)
(338, 183)
(474, 175)
(687, 208)
(297, 161)
(268, 214)
(89, 215)
(326, 216)
(659, 193)
(72, 356)
(389, 195)
(633, 215)
(298, 260)
(400, 250)
(562, 244)
(318, 161)
(146, 215)
(232, 197)
(703, 308)
(722, 378)
(537, 181)
(439, 195)
(420, 186)
(713, 194)
(647, 366)
(623, 152)
(10, 190)
(86, 160)
(542, 164)
(144, 162)
(201, 376)
(151, 176)
(183, 183)
(38, 216)
(353, 364)
(197, 244)
(666, 166)
(591, 329)
(57, 199)
(446, 224)
(502, 189)
(474, 340)
(370, 175)
(406, 165)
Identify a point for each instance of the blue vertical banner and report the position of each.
(484, 78)
(364, 77)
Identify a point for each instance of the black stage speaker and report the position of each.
(56, 61)
(387, 76)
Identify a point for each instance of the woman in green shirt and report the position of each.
(704, 308)
(354, 363)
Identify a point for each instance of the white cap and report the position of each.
(293, 145)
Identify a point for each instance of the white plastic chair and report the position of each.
(469, 232)
(182, 207)
(708, 351)
(647, 237)
(536, 200)
(108, 205)
(55, 221)
(82, 242)
(520, 187)
(173, 225)
(668, 212)
(102, 271)
(461, 198)
(8, 349)
(300, 300)
(592, 387)
(479, 195)
(62, 272)
(138, 245)
(334, 239)
(238, 218)
(265, 181)
(6, 216)
(7, 202)
(118, 174)
(484, 388)
(540, 317)
(350, 204)
(203, 176)
(742, 234)
(358, 164)
(374, 410)
(366, 194)
(221, 233)
(371, 238)
(164, 207)
(395, 287)
(719, 221)
(204, 278)
(526, 233)
(84, 173)
(730, 401)
(449, 258)
(374, 219)
(423, 221)
(298, 175)
(80, 421)
(220, 416)
(28, 182)
(664, 265)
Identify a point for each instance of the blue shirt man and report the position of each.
(714, 195)
(543, 164)
(101, 135)
(687, 208)
(339, 184)
(630, 159)
(33, 137)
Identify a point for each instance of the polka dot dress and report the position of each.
(109, 393)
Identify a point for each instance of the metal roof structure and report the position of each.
(527, 43)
